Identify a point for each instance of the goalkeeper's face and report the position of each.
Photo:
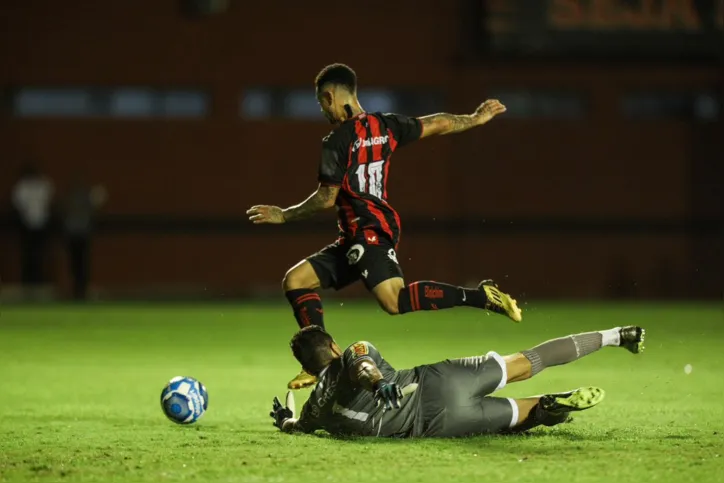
(314, 348)
(315, 358)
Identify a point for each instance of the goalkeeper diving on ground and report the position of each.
(360, 393)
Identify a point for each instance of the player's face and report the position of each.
(326, 102)
(323, 359)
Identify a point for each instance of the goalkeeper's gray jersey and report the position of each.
(339, 406)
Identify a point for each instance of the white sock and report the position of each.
(611, 337)
(515, 413)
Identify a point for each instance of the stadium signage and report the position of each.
(618, 28)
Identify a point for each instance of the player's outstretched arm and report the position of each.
(444, 123)
(291, 426)
(321, 199)
(284, 416)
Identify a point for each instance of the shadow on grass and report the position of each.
(540, 435)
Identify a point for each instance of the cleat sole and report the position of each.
(579, 400)
(302, 381)
(498, 300)
(640, 346)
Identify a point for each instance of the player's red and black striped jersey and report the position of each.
(356, 157)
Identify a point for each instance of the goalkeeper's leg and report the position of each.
(552, 409)
(485, 415)
(528, 363)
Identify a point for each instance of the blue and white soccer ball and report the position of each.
(184, 400)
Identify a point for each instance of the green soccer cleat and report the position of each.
(500, 302)
(632, 339)
(577, 400)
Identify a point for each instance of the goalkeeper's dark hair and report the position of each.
(338, 75)
(311, 347)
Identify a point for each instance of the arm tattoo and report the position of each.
(366, 374)
(323, 198)
(444, 123)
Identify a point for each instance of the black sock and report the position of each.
(307, 306)
(539, 416)
(550, 419)
(426, 295)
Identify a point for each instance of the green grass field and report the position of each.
(80, 388)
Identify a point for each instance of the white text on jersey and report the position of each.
(365, 143)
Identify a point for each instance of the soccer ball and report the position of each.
(184, 400)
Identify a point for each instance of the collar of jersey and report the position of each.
(357, 117)
(321, 374)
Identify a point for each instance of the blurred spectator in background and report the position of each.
(32, 197)
(79, 211)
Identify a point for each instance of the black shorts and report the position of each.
(368, 257)
(456, 402)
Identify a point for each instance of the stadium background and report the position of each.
(596, 199)
(603, 180)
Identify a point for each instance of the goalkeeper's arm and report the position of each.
(365, 373)
(291, 425)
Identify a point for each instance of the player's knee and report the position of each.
(518, 367)
(293, 281)
(389, 301)
(300, 277)
(388, 295)
(389, 306)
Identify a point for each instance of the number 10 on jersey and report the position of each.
(370, 178)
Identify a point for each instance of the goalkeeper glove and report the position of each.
(389, 392)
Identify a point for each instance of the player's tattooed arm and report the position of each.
(321, 199)
(444, 123)
(366, 373)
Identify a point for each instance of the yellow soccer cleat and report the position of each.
(303, 379)
(578, 400)
(500, 302)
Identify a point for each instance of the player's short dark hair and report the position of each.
(339, 75)
(311, 346)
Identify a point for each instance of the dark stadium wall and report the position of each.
(598, 206)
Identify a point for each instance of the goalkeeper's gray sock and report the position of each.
(568, 349)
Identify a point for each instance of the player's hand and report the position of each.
(265, 214)
(389, 393)
(280, 413)
(488, 110)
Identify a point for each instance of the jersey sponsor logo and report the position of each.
(327, 393)
(360, 349)
(433, 292)
(355, 253)
(365, 143)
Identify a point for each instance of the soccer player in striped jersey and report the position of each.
(353, 175)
